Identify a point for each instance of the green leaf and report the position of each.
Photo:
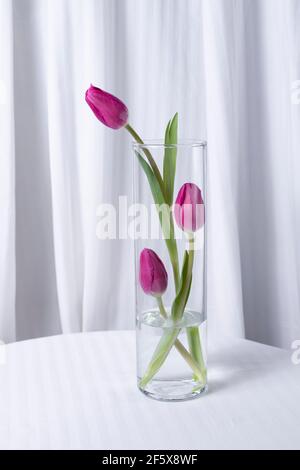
(170, 157)
(153, 182)
(188, 291)
(184, 290)
(162, 206)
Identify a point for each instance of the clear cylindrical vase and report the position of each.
(170, 261)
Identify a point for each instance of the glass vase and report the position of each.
(170, 266)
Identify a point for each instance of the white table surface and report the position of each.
(79, 392)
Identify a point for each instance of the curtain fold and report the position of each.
(228, 67)
(7, 177)
(64, 167)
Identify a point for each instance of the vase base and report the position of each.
(173, 390)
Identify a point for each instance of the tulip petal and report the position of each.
(189, 209)
(107, 108)
(153, 275)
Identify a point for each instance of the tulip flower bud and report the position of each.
(189, 208)
(153, 275)
(107, 108)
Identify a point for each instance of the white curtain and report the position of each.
(228, 68)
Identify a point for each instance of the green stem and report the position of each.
(194, 341)
(193, 334)
(160, 354)
(185, 286)
(173, 253)
(191, 252)
(151, 160)
(180, 347)
(161, 307)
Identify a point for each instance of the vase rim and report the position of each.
(149, 143)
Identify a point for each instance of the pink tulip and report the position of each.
(189, 208)
(153, 275)
(107, 108)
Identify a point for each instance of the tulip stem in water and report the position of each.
(180, 347)
(160, 354)
(193, 333)
(167, 341)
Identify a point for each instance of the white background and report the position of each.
(228, 67)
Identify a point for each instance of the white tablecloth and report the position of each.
(79, 392)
